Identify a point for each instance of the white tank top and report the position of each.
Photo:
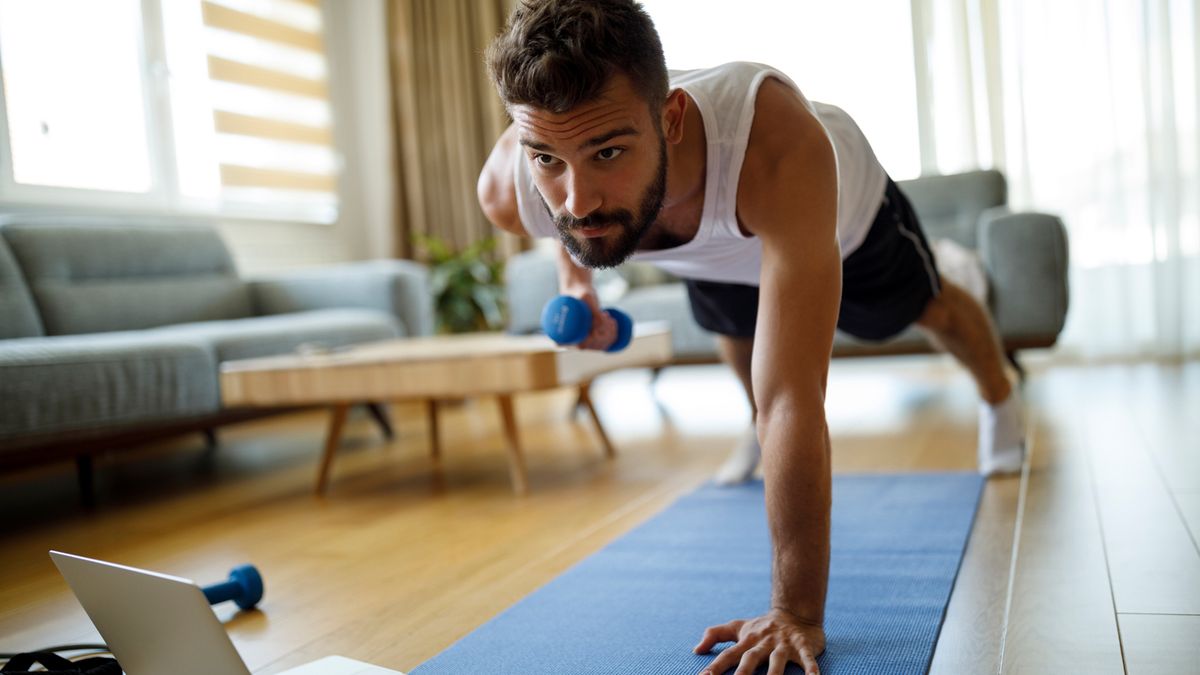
(725, 96)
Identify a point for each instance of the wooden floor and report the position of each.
(1087, 564)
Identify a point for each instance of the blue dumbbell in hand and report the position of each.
(245, 587)
(568, 321)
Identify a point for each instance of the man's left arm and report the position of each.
(788, 198)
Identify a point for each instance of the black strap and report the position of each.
(57, 665)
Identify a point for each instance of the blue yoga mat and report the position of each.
(640, 604)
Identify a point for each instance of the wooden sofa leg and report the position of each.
(85, 473)
(210, 439)
(380, 415)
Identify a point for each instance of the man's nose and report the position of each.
(582, 196)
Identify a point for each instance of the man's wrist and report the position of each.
(808, 619)
(577, 288)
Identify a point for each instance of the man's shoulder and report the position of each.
(497, 186)
(785, 127)
(788, 149)
(744, 71)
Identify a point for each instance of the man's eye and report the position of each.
(609, 153)
(545, 160)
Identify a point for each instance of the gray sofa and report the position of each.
(110, 329)
(1024, 256)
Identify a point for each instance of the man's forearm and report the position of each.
(571, 277)
(796, 468)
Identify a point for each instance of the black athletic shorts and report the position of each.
(886, 282)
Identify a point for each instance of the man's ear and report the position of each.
(673, 111)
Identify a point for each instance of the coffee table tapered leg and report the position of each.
(333, 438)
(516, 461)
(585, 396)
(435, 445)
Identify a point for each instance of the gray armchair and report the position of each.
(1024, 256)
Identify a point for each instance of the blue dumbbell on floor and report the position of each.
(568, 320)
(245, 587)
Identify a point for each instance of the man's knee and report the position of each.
(936, 315)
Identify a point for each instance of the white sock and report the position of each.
(1002, 436)
(739, 467)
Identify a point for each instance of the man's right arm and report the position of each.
(497, 186)
(497, 192)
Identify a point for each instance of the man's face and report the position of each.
(601, 170)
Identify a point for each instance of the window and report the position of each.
(74, 94)
(855, 55)
(196, 106)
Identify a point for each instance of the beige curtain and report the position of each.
(447, 117)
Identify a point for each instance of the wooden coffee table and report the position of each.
(443, 367)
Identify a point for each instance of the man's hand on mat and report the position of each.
(776, 638)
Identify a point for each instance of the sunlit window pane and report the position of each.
(855, 55)
(255, 143)
(73, 93)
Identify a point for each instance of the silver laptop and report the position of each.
(156, 624)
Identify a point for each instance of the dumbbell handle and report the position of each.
(244, 586)
(222, 592)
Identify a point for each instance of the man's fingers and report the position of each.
(604, 329)
(604, 332)
(778, 662)
(726, 659)
(716, 634)
(752, 658)
(809, 661)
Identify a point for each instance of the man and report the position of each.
(775, 211)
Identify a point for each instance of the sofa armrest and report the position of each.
(1025, 255)
(398, 287)
(530, 281)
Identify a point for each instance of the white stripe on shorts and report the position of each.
(924, 253)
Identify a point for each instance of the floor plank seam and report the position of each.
(1094, 488)
(1156, 614)
(1166, 485)
(1016, 546)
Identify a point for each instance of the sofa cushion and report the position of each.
(91, 277)
(669, 302)
(18, 316)
(79, 382)
(282, 333)
(640, 274)
(949, 206)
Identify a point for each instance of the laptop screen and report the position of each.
(153, 623)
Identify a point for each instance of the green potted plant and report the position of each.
(467, 285)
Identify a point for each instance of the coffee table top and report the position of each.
(431, 367)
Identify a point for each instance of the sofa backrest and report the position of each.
(90, 276)
(949, 206)
(18, 316)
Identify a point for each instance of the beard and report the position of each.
(620, 242)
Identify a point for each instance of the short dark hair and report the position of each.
(557, 54)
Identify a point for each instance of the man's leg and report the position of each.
(743, 459)
(737, 352)
(955, 321)
(730, 312)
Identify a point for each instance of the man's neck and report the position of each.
(687, 163)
